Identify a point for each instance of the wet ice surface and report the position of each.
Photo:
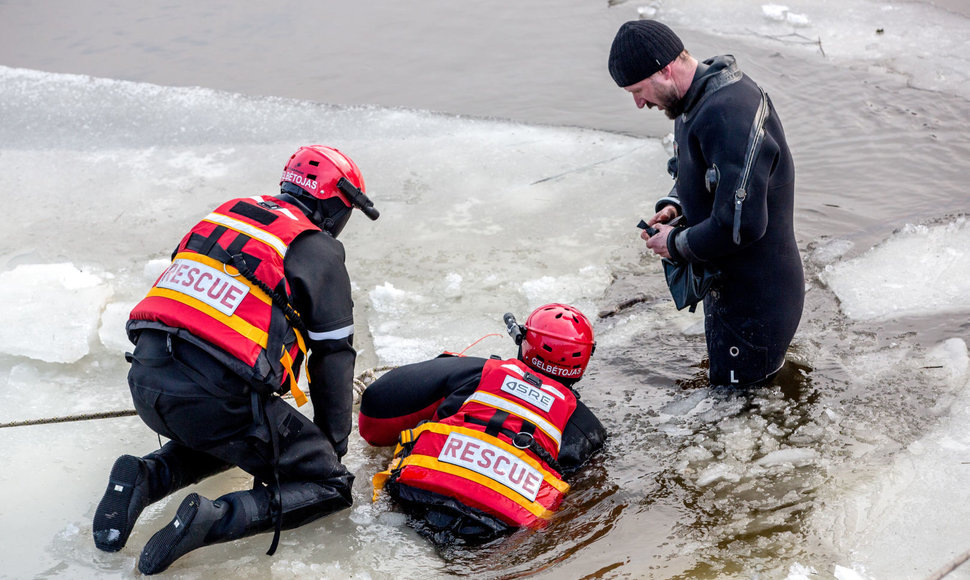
(818, 474)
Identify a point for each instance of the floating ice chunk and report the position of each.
(50, 312)
(154, 268)
(953, 356)
(800, 572)
(695, 403)
(716, 473)
(919, 270)
(843, 573)
(780, 13)
(390, 300)
(830, 251)
(774, 11)
(112, 331)
(697, 454)
(453, 285)
(399, 350)
(795, 457)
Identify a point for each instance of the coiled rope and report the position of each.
(361, 382)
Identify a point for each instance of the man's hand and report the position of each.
(658, 241)
(666, 214)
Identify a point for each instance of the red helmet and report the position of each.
(558, 341)
(329, 184)
(317, 169)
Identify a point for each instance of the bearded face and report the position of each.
(668, 100)
(657, 91)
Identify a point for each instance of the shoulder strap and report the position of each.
(755, 138)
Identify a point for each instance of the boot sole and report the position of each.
(168, 544)
(111, 522)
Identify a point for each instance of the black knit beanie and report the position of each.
(641, 48)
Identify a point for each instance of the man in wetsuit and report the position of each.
(253, 289)
(735, 188)
(484, 444)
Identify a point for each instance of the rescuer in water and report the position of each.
(734, 190)
(254, 289)
(483, 445)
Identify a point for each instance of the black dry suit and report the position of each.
(216, 419)
(735, 185)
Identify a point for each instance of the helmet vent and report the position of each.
(314, 163)
(547, 347)
(311, 176)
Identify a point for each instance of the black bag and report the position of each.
(688, 282)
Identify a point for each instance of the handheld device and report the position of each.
(653, 231)
(650, 230)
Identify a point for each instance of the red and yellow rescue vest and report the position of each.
(204, 292)
(485, 454)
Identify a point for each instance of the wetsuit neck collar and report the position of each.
(711, 75)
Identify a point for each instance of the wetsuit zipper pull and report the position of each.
(739, 196)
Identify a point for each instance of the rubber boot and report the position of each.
(202, 522)
(137, 482)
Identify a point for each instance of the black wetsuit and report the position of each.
(752, 312)
(215, 421)
(435, 389)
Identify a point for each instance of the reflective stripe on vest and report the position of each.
(512, 387)
(483, 472)
(203, 294)
(253, 232)
(470, 456)
(519, 410)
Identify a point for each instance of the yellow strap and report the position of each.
(534, 507)
(380, 478)
(298, 395)
(520, 453)
(287, 362)
(405, 437)
(240, 326)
